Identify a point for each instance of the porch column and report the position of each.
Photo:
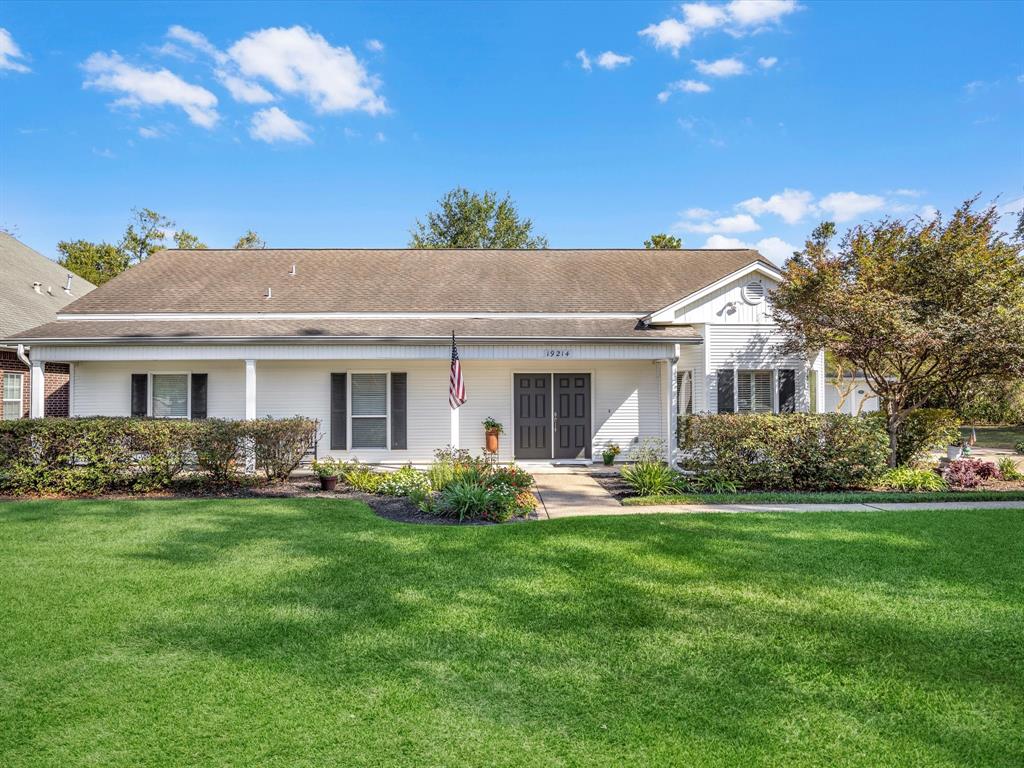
(672, 395)
(250, 389)
(454, 427)
(37, 389)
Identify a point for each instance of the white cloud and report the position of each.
(298, 61)
(686, 86)
(698, 213)
(905, 192)
(721, 241)
(670, 33)
(9, 51)
(767, 62)
(844, 206)
(374, 45)
(581, 54)
(721, 67)
(704, 16)
(775, 248)
(611, 60)
(110, 72)
(147, 132)
(244, 90)
(929, 212)
(791, 205)
(759, 13)
(741, 222)
(197, 40)
(271, 125)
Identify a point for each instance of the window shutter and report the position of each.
(399, 389)
(339, 412)
(199, 395)
(787, 391)
(726, 390)
(140, 394)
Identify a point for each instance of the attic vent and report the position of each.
(294, 271)
(753, 292)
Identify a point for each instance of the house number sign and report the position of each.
(557, 353)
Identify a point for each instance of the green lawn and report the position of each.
(311, 633)
(997, 437)
(823, 497)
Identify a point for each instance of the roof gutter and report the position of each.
(444, 340)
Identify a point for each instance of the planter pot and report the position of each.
(608, 460)
(492, 441)
(954, 452)
(328, 483)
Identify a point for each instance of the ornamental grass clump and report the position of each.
(911, 480)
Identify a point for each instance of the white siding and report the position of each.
(728, 306)
(105, 389)
(860, 400)
(691, 358)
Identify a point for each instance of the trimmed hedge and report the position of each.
(792, 452)
(923, 430)
(98, 455)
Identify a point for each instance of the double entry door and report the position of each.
(552, 415)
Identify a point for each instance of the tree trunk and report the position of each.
(892, 427)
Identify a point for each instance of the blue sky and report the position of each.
(338, 124)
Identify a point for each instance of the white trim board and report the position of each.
(172, 316)
(667, 315)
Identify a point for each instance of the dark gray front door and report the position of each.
(533, 416)
(572, 415)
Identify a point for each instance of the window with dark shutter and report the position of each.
(787, 390)
(399, 396)
(140, 394)
(726, 390)
(199, 395)
(339, 412)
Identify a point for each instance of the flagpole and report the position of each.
(454, 441)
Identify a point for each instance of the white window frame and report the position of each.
(679, 392)
(188, 392)
(773, 384)
(21, 394)
(387, 414)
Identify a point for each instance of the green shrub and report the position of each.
(791, 452)
(910, 479)
(711, 482)
(361, 478)
(403, 482)
(474, 501)
(1019, 447)
(1008, 469)
(217, 447)
(463, 500)
(651, 478)
(278, 445)
(923, 430)
(329, 467)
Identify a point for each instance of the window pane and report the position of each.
(763, 391)
(170, 395)
(744, 381)
(369, 432)
(369, 394)
(12, 386)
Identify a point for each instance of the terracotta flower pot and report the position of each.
(328, 483)
(492, 441)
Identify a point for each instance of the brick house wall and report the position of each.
(56, 385)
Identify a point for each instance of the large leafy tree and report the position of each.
(147, 230)
(663, 242)
(185, 240)
(926, 309)
(96, 262)
(465, 219)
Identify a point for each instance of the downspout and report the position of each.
(23, 357)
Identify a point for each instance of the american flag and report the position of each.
(456, 384)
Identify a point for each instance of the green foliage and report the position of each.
(1008, 469)
(926, 309)
(100, 455)
(970, 473)
(329, 467)
(610, 452)
(713, 482)
(651, 478)
(787, 452)
(463, 499)
(1019, 447)
(493, 425)
(405, 481)
(922, 430)
(250, 241)
(994, 401)
(662, 241)
(362, 478)
(185, 240)
(466, 219)
(95, 262)
(910, 479)
(145, 235)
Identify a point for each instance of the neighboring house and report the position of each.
(33, 288)
(851, 395)
(570, 349)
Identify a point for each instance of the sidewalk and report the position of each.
(579, 495)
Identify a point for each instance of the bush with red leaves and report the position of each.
(970, 473)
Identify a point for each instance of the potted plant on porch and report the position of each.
(492, 428)
(327, 470)
(609, 453)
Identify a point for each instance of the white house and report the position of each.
(569, 349)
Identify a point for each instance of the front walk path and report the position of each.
(577, 494)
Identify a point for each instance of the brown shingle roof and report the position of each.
(385, 280)
(411, 329)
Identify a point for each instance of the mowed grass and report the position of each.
(310, 633)
(1005, 436)
(822, 497)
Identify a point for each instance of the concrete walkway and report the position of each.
(580, 495)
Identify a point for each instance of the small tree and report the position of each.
(466, 219)
(923, 308)
(250, 241)
(185, 240)
(145, 234)
(95, 262)
(663, 242)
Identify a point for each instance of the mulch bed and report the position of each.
(615, 486)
